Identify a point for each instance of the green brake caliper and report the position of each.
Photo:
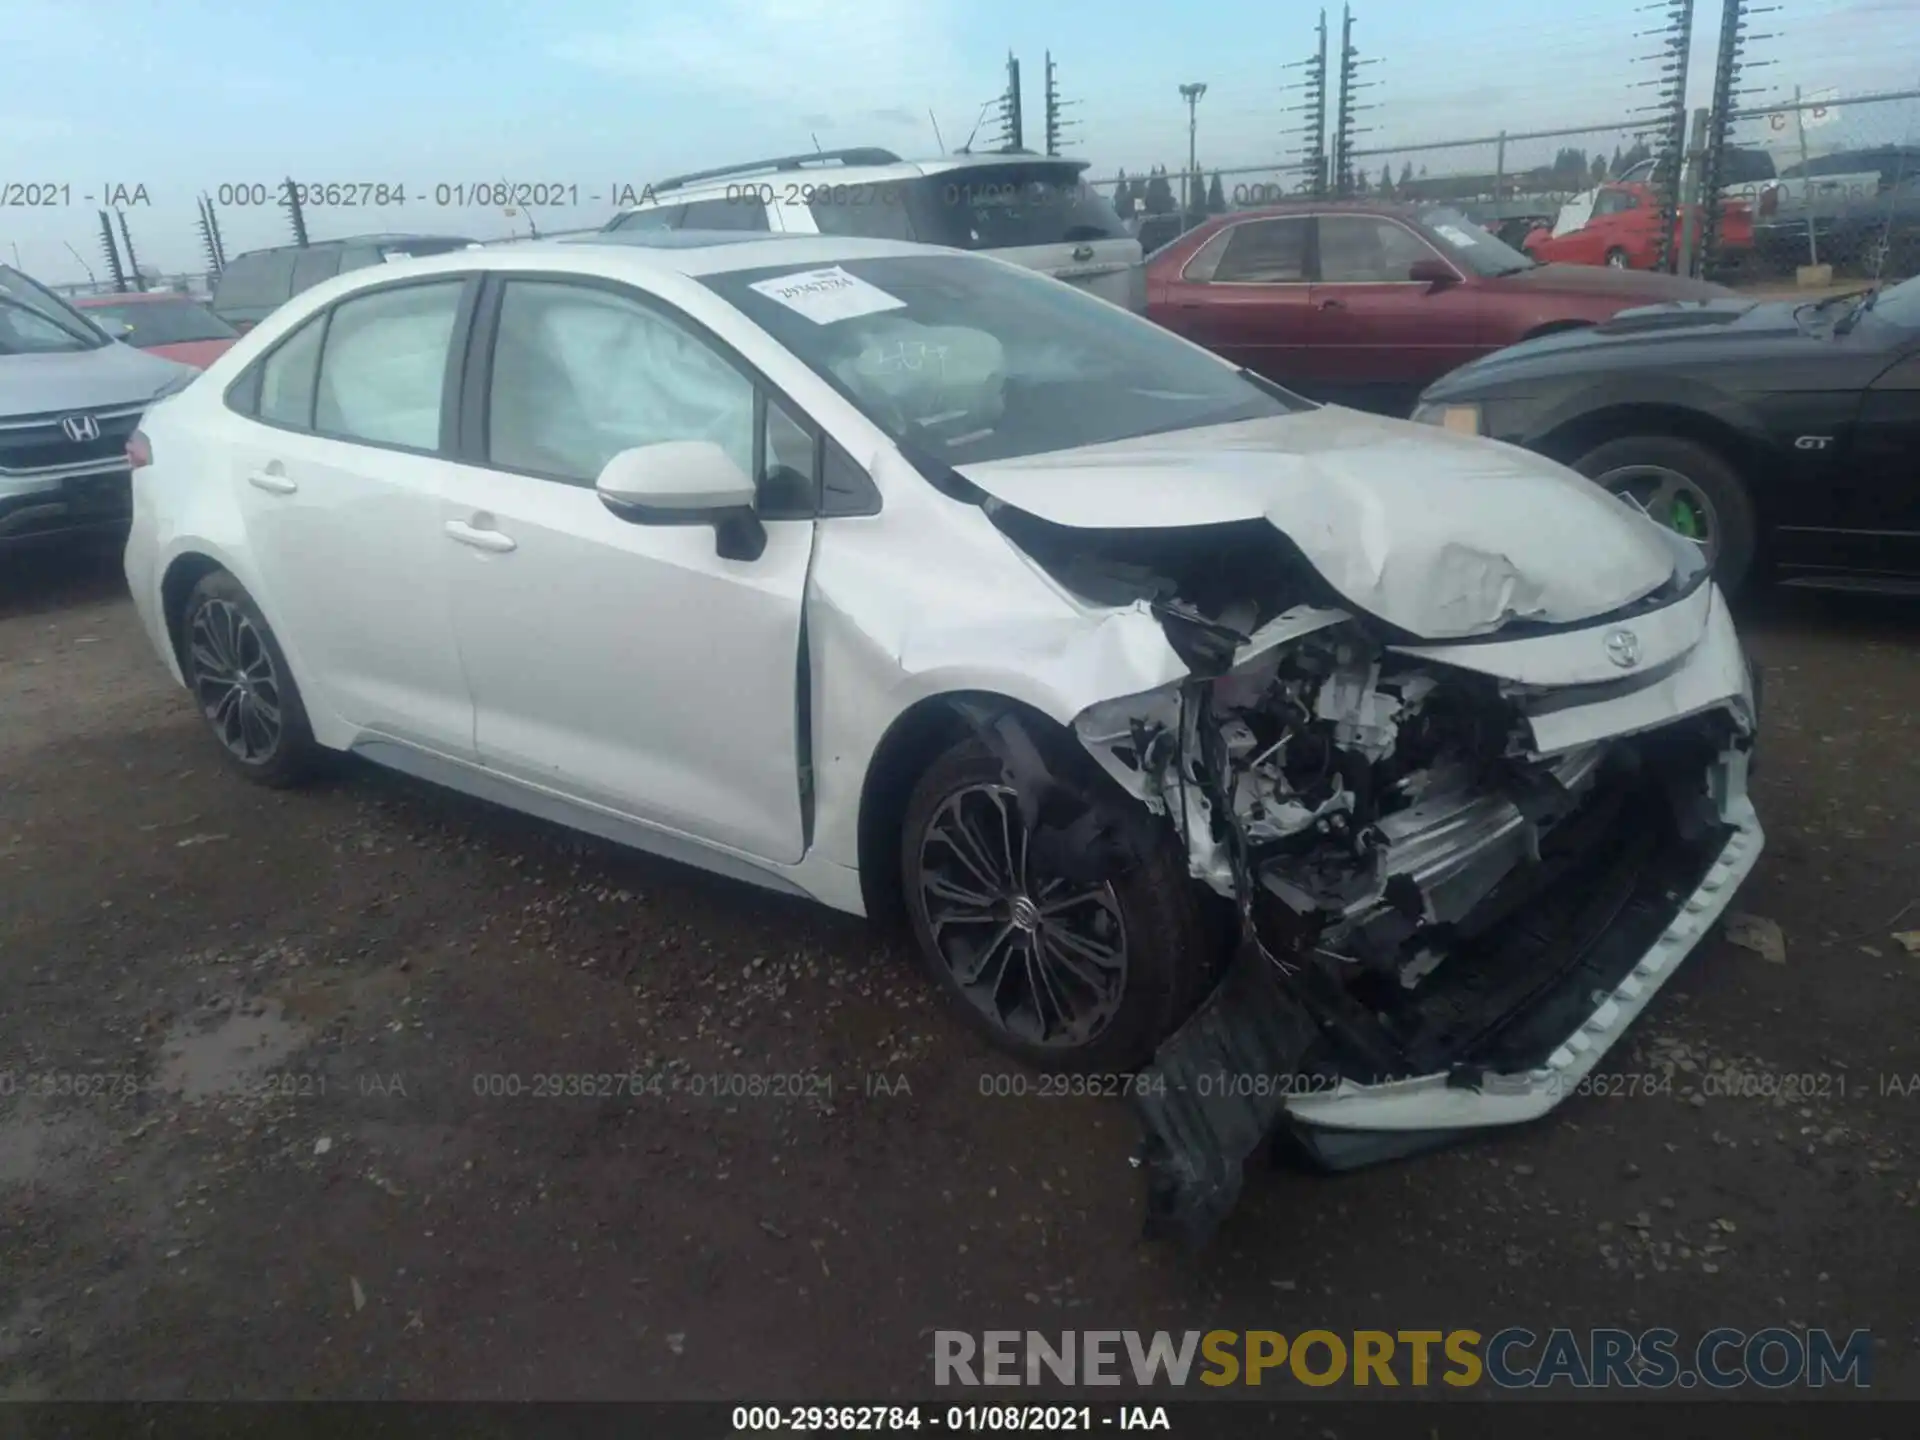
(1683, 518)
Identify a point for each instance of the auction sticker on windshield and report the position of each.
(824, 296)
(1454, 235)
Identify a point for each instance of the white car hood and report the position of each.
(1442, 535)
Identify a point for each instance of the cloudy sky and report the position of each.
(184, 96)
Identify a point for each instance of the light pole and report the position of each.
(1191, 94)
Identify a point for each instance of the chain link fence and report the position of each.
(1825, 180)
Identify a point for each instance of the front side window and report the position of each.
(288, 375)
(747, 214)
(1363, 249)
(1615, 202)
(654, 217)
(581, 373)
(971, 361)
(384, 366)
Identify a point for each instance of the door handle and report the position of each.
(479, 539)
(1333, 304)
(271, 483)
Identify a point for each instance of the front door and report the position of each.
(1378, 335)
(1244, 295)
(1880, 499)
(629, 667)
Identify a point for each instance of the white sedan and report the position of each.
(1299, 766)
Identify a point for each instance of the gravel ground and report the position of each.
(293, 1169)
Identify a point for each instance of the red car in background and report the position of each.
(1623, 230)
(176, 326)
(1368, 304)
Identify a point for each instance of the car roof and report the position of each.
(678, 191)
(690, 253)
(134, 297)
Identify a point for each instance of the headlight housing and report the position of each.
(1462, 419)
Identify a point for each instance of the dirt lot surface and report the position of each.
(256, 1140)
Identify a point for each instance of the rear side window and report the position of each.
(313, 266)
(747, 214)
(384, 366)
(1258, 252)
(1008, 207)
(873, 212)
(255, 282)
(287, 377)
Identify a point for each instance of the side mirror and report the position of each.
(685, 482)
(1435, 274)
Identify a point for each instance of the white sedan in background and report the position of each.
(1193, 727)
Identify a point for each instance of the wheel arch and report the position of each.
(917, 736)
(183, 572)
(1574, 437)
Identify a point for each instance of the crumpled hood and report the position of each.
(1445, 536)
(112, 375)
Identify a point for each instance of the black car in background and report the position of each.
(1780, 435)
(252, 285)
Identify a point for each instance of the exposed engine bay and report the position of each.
(1356, 807)
(1420, 889)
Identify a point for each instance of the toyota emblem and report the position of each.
(81, 428)
(1623, 648)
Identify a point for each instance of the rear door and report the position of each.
(1246, 296)
(338, 473)
(1379, 337)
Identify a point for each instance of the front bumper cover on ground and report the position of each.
(1229, 1079)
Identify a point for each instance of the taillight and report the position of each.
(139, 450)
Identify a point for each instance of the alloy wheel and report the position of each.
(1668, 498)
(234, 679)
(1044, 959)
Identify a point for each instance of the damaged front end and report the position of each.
(1455, 884)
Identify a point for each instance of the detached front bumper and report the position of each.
(1441, 1102)
(1546, 995)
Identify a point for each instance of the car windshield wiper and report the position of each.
(1814, 307)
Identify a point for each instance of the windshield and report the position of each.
(162, 322)
(1469, 244)
(35, 321)
(972, 360)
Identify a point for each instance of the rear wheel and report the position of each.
(239, 678)
(1060, 973)
(1686, 487)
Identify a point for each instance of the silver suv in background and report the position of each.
(1033, 210)
(69, 399)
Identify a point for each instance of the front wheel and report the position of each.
(1686, 487)
(1060, 973)
(1617, 259)
(239, 678)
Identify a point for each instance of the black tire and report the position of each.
(292, 756)
(1709, 472)
(1617, 259)
(1171, 956)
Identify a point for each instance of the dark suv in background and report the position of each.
(254, 284)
